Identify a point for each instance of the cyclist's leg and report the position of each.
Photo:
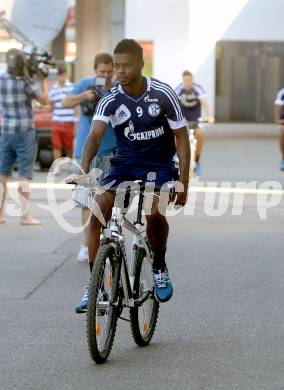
(157, 233)
(103, 204)
(282, 142)
(101, 208)
(157, 225)
(199, 144)
(103, 163)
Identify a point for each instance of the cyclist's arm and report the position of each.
(278, 107)
(205, 106)
(92, 143)
(277, 113)
(183, 152)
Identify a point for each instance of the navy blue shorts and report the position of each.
(128, 174)
(20, 147)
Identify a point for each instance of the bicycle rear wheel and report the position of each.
(143, 319)
(101, 314)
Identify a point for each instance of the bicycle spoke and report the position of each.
(102, 312)
(146, 309)
(144, 318)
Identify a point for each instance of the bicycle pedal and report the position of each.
(124, 319)
(146, 295)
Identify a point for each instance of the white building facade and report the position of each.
(235, 49)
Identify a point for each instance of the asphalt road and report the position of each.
(224, 327)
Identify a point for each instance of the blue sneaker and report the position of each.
(282, 165)
(163, 289)
(83, 305)
(197, 169)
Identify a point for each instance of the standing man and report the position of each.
(149, 128)
(85, 93)
(192, 98)
(279, 120)
(17, 133)
(63, 120)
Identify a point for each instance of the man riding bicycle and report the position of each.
(149, 127)
(192, 98)
(279, 120)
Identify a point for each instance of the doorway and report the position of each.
(248, 76)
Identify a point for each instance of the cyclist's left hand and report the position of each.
(210, 119)
(181, 193)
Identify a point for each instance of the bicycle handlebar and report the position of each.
(90, 182)
(194, 124)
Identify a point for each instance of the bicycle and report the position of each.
(118, 282)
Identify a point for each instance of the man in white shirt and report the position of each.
(63, 121)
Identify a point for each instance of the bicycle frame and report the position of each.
(127, 267)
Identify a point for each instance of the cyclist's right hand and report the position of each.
(87, 180)
(75, 179)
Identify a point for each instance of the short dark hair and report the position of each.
(129, 46)
(61, 70)
(16, 64)
(102, 58)
(187, 73)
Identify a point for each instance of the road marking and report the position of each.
(237, 190)
(45, 186)
(230, 190)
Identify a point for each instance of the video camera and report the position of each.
(88, 108)
(29, 63)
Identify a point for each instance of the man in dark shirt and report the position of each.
(279, 119)
(149, 127)
(193, 98)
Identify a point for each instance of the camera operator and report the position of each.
(17, 133)
(87, 93)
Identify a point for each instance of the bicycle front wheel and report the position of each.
(143, 319)
(102, 313)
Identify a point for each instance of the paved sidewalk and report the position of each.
(222, 330)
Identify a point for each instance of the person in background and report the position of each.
(193, 98)
(63, 120)
(279, 120)
(18, 140)
(85, 93)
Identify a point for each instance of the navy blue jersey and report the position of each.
(143, 124)
(190, 101)
(279, 101)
